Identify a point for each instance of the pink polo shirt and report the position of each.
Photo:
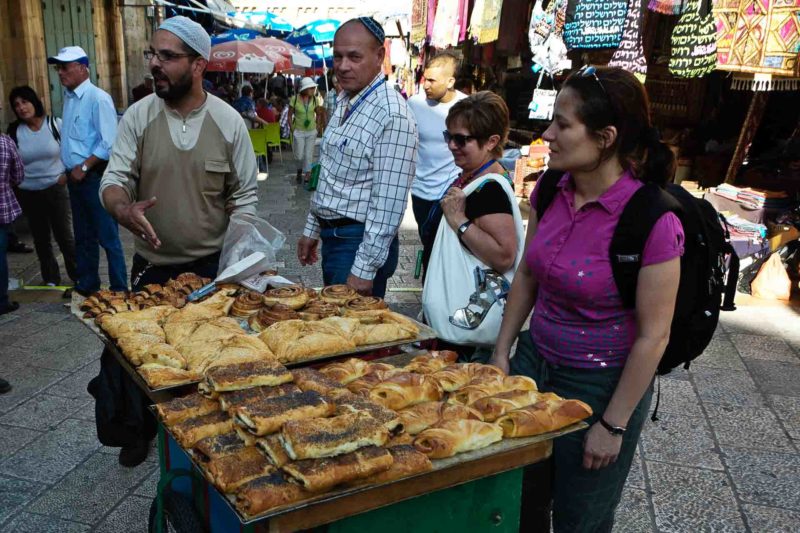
(579, 319)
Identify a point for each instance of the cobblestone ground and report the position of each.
(723, 456)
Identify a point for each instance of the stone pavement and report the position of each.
(724, 456)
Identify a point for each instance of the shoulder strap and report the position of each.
(548, 188)
(640, 214)
(53, 125)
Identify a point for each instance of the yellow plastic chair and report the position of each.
(272, 135)
(259, 140)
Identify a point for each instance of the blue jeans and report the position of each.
(4, 228)
(92, 226)
(339, 247)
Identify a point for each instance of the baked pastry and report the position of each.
(367, 382)
(292, 340)
(269, 415)
(338, 294)
(119, 324)
(313, 438)
(318, 309)
(229, 400)
(313, 379)
(368, 309)
(406, 461)
(230, 472)
(431, 362)
(404, 390)
(268, 492)
(483, 387)
(454, 377)
(450, 437)
(246, 304)
(247, 438)
(273, 447)
(270, 315)
(351, 403)
(185, 407)
(346, 371)
(493, 407)
(190, 431)
(157, 376)
(294, 296)
(217, 446)
(548, 414)
(420, 417)
(246, 375)
(317, 475)
(163, 354)
(400, 439)
(135, 345)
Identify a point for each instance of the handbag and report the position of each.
(543, 102)
(694, 42)
(595, 24)
(452, 277)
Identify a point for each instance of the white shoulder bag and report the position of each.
(453, 285)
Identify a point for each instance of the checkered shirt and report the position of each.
(12, 172)
(367, 165)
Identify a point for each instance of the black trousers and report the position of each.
(48, 212)
(121, 412)
(427, 226)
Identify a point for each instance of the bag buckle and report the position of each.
(490, 288)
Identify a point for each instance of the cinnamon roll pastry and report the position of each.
(294, 296)
(247, 304)
(338, 294)
(318, 309)
(313, 294)
(364, 303)
(270, 315)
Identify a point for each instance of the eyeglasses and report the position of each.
(164, 57)
(588, 71)
(459, 139)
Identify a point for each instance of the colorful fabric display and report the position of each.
(694, 43)
(667, 7)
(484, 25)
(758, 36)
(419, 20)
(595, 24)
(630, 54)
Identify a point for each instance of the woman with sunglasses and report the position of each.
(477, 128)
(583, 343)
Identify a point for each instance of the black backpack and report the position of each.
(702, 282)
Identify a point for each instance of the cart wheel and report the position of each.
(179, 515)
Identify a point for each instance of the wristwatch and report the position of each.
(84, 168)
(614, 430)
(462, 229)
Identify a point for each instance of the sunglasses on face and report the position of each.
(459, 139)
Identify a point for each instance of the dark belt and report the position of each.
(329, 223)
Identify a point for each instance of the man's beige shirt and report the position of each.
(201, 169)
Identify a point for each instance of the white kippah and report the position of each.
(190, 33)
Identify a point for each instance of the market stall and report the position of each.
(368, 434)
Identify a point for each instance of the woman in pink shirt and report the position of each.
(583, 343)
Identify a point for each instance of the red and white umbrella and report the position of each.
(225, 56)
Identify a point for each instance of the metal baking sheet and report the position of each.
(439, 465)
(426, 333)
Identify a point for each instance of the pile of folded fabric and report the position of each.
(742, 229)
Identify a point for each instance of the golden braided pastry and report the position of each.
(318, 309)
(247, 304)
(338, 294)
(295, 296)
(271, 315)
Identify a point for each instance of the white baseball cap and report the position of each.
(306, 83)
(68, 54)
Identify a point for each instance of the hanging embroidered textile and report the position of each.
(546, 38)
(595, 24)
(758, 36)
(667, 7)
(630, 54)
(419, 21)
(446, 25)
(694, 42)
(484, 25)
(431, 17)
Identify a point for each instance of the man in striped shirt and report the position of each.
(367, 159)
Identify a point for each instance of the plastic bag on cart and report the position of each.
(246, 235)
(772, 282)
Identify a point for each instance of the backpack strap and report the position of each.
(548, 188)
(53, 125)
(640, 214)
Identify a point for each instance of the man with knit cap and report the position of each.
(182, 165)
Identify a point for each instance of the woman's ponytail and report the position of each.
(659, 161)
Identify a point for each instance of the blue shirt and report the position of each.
(89, 124)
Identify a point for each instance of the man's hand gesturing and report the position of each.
(132, 217)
